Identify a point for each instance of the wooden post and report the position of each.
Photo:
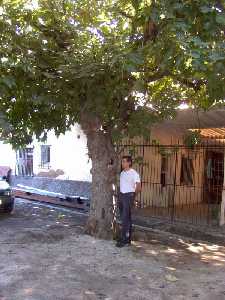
(222, 208)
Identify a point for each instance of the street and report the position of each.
(44, 255)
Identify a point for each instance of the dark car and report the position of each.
(6, 196)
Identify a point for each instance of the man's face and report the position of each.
(125, 164)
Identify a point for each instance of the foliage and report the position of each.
(127, 62)
(192, 138)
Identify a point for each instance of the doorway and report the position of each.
(214, 176)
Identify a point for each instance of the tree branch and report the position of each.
(191, 83)
(150, 31)
(124, 14)
(157, 76)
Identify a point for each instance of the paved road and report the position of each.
(45, 256)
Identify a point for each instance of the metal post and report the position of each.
(222, 206)
(174, 186)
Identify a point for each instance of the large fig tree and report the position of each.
(113, 66)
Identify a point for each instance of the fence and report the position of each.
(179, 183)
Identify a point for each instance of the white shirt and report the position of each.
(128, 180)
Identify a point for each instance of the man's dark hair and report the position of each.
(128, 159)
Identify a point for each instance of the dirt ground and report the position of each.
(45, 256)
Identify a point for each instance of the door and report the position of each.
(214, 176)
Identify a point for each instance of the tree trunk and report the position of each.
(104, 170)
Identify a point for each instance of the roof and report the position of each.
(216, 133)
(211, 123)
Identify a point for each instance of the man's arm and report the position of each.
(138, 187)
(137, 183)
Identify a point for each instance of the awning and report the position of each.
(215, 133)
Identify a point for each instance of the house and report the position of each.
(182, 168)
(181, 165)
(63, 157)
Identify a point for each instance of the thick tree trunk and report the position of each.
(104, 168)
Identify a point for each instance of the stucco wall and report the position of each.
(153, 193)
(7, 156)
(68, 153)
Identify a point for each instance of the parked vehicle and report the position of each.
(6, 196)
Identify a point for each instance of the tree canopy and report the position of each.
(128, 63)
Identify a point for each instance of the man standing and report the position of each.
(130, 184)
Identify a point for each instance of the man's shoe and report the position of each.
(122, 243)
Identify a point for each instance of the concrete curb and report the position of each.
(148, 234)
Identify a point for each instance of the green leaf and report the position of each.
(66, 58)
(205, 9)
(220, 19)
(9, 81)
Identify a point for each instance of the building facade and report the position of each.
(63, 157)
(181, 165)
(182, 168)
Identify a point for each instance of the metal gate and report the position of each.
(179, 183)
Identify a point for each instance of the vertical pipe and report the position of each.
(222, 206)
(174, 185)
(142, 174)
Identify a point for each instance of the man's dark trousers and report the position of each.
(125, 204)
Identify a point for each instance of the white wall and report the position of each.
(68, 153)
(7, 156)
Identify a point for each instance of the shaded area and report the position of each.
(44, 255)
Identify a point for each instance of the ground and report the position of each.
(45, 256)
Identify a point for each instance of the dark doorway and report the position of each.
(214, 176)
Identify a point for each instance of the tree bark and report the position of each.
(104, 170)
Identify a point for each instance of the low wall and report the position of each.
(67, 187)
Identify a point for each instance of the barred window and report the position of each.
(45, 155)
(187, 171)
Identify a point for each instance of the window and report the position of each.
(187, 171)
(164, 169)
(45, 156)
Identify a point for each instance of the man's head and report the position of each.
(126, 162)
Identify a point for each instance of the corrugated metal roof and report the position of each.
(216, 133)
